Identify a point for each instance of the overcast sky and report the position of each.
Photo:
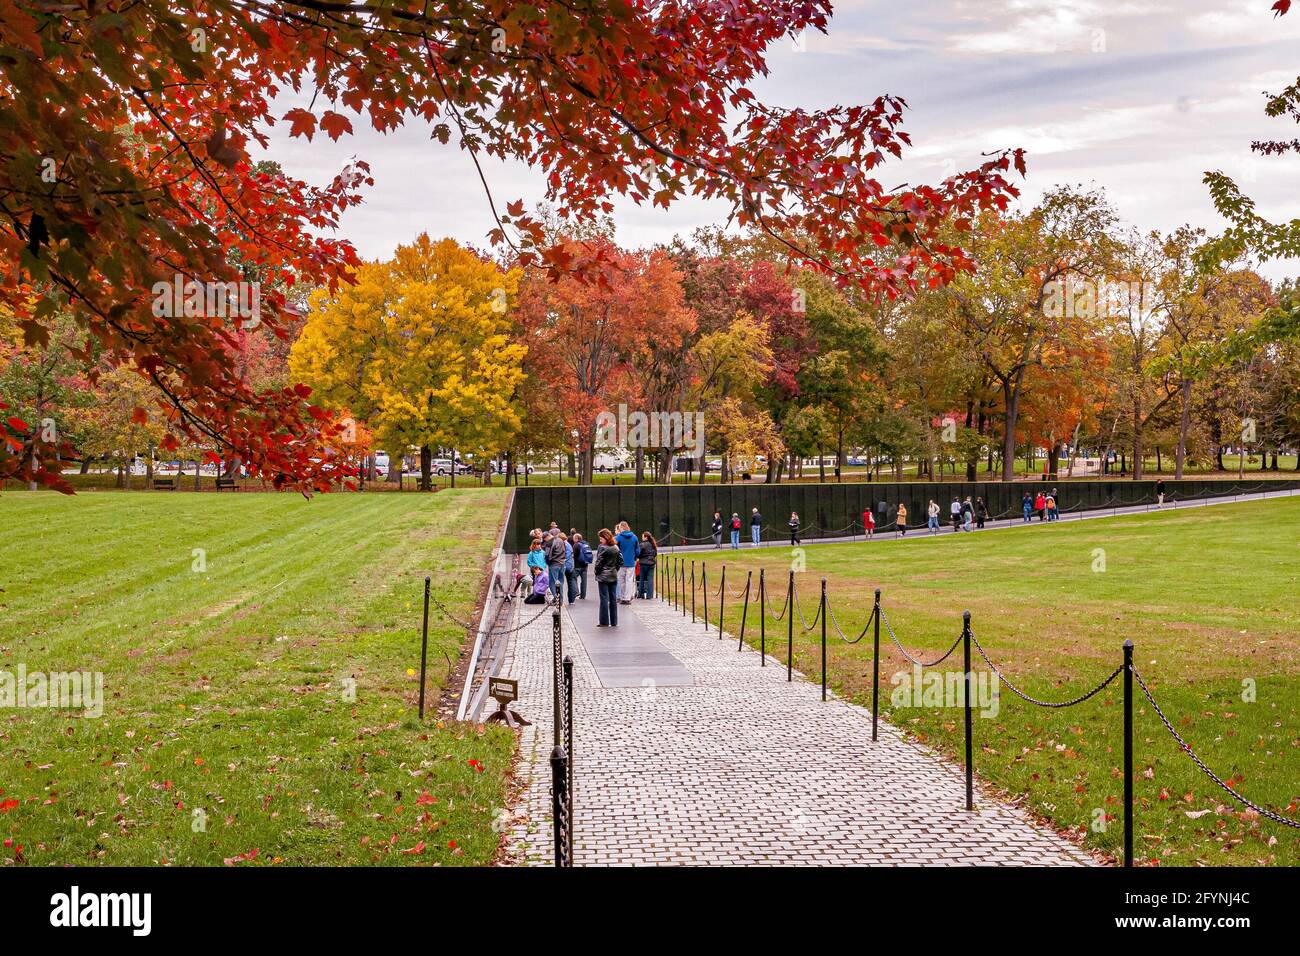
(1138, 97)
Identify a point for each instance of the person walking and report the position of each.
(932, 516)
(900, 520)
(1040, 505)
(794, 528)
(1055, 508)
(1027, 506)
(582, 558)
(735, 531)
(717, 530)
(646, 557)
(868, 523)
(954, 513)
(756, 526)
(1050, 502)
(627, 545)
(1160, 493)
(981, 512)
(607, 568)
(967, 514)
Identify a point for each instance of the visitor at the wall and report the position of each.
(646, 558)
(582, 557)
(794, 528)
(967, 514)
(735, 531)
(900, 519)
(1027, 506)
(868, 523)
(555, 555)
(981, 512)
(932, 516)
(954, 513)
(717, 529)
(569, 568)
(607, 568)
(541, 584)
(627, 546)
(536, 556)
(1040, 505)
(756, 526)
(1160, 493)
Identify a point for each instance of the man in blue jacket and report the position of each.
(627, 545)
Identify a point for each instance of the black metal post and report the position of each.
(559, 805)
(1128, 753)
(823, 614)
(762, 620)
(557, 678)
(970, 686)
(692, 592)
(875, 669)
(704, 586)
(722, 602)
(424, 645)
(744, 613)
(568, 745)
(789, 631)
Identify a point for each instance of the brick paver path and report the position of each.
(742, 767)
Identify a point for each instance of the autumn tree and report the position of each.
(126, 135)
(418, 348)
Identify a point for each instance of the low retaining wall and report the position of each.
(683, 513)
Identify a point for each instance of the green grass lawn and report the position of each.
(1208, 596)
(260, 655)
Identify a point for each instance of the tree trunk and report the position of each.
(639, 460)
(1011, 402)
(1184, 426)
(426, 468)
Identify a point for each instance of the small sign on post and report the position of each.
(505, 690)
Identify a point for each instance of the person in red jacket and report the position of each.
(868, 522)
(1040, 505)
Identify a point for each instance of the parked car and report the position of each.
(442, 466)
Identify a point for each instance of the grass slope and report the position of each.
(1209, 597)
(226, 689)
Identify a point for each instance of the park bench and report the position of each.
(225, 483)
(164, 484)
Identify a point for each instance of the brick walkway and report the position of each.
(742, 767)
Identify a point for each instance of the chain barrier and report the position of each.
(830, 611)
(1042, 703)
(470, 627)
(902, 650)
(798, 607)
(1183, 745)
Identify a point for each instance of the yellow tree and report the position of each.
(419, 349)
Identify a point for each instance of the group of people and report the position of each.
(755, 528)
(963, 513)
(1043, 505)
(622, 564)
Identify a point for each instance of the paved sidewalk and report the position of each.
(742, 768)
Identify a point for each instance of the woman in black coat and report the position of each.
(646, 557)
(608, 560)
